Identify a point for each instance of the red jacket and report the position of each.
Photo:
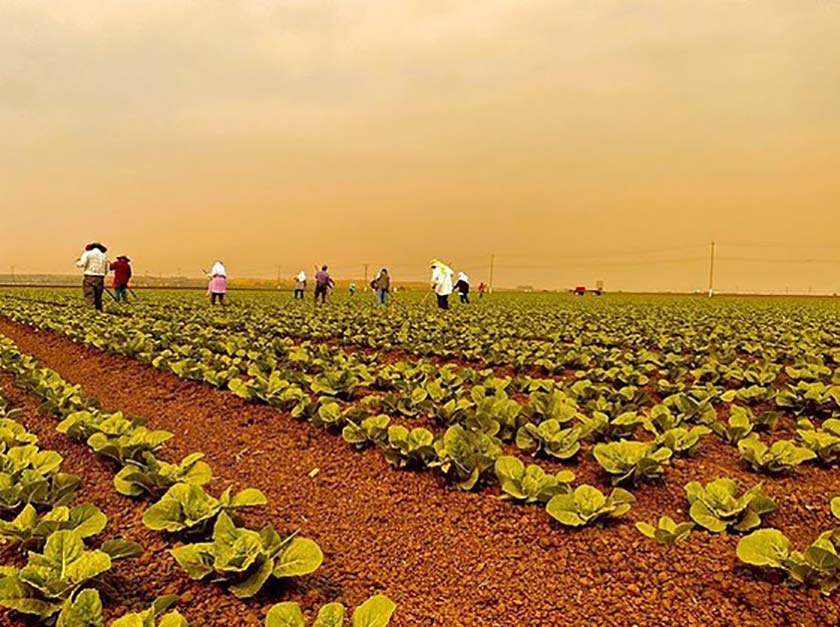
(122, 272)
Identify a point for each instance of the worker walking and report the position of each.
(323, 283)
(462, 286)
(441, 282)
(482, 287)
(382, 286)
(122, 275)
(300, 285)
(217, 287)
(95, 266)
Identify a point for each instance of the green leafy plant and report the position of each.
(587, 505)
(632, 461)
(50, 578)
(781, 456)
(246, 559)
(530, 484)
(153, 476)
(818, 566)
(375, 612)
(683, 441)
(464, 456)
(189, 508)
(156, 615)
(409, 448)
(736, 428)
(371, 431)
(825, 441)
(666, 531)
(550, 438)
(31, 530)
(718, 506)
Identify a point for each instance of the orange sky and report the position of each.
(578, 140)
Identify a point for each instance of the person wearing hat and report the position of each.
(462, 286)
(122, 275)
(94, 266)
(300, 285)
(218, 283)
(441, 283)
(382, 285)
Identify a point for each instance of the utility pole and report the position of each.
(711, 269)
(366, 276)
(278, 275)
(492, 268)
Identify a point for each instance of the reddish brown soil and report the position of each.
(449, 558)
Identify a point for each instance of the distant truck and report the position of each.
(581, 290)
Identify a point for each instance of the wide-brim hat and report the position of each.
(93, 245)
(124, 258)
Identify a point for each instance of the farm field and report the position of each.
(483, 466)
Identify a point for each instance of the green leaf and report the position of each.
(83, 611)
(301, 556)
(331, 615)
(285, 615)
(375, 612)
(765, 547)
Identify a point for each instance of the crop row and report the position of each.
(214, 540)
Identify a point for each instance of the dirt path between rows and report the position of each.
(448, 558)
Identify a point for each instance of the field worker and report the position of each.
(462, 286)
(95, 267)
(218, 283)
(482, 287)
(300, 285)
(122, 274)
(323, 282)
(441, 282)
(352, 289)
(382, 286)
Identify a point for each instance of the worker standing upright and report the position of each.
(300, 285)
(122, 275)
(217, 287)
(95, 266)
(382, 285)
(441, 283)
(323, 283)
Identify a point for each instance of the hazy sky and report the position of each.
(578, 140)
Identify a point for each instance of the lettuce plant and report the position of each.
(587, 505)
(632, 461)
(683, 441)
(666, 531)
(41, 587)
(549, 438)
(781, 456)
(530, 484)
(825, 441)
(406, 448)
(735, 429)
(154, 477)
(718, 506)
(600, 426)
(375, 612)
(30, 475)
(818, 566)
(464, 456)
(154, 616)
(31, 530)
(373, 430)
(84, 609)
(550, 405)
(13, 434)
(189, 508)
(246, 559)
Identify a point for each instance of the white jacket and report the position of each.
(442, 280)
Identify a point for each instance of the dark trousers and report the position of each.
(298, 293)
(443, 301)
(465, 297)
(121, 293)
(214, 297)
(321, 292)
(92, 287)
